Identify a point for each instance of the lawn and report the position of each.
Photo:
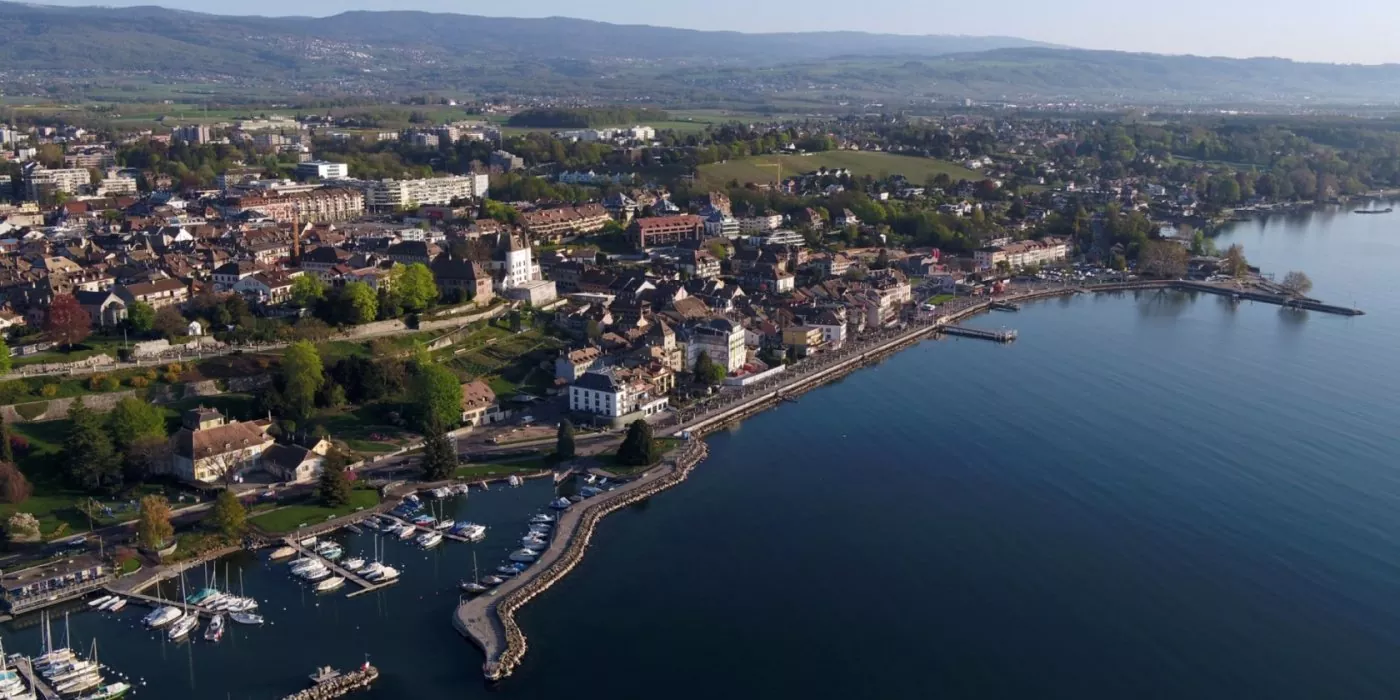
(771, 168)
(487, 470)
(663, 446)
(294, 516)
(941, 299)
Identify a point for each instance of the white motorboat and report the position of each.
(282, 553)
(354, 564)
(474, 588)
(445, 524)
(244, 618)
(524, 555)
(163, 616)
(543, 528)
(542, 518)
(111, 603)
(183, 627)
(560, 503)
(244, 605)
(52, 658)
(370, 570)
(330, 584)
(440, 492)
(533, 542)
(215, 631)
(117, 605)
(70, 670)
(461, 489)
(493, 580)
(301, 561)
(99, 602)
(384, 574)
(308, 541)
(78, 684)
(514, 480)
(429, 540)
(317, 574)
(470, 531)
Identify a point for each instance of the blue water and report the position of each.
(1146, 496)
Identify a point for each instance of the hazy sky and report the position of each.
(1348, 31)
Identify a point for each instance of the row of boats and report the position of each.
(532, 545)
(63, 670)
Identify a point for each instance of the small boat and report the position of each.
(163, 616)
(308, 568)
(330, 584)
(116, 605)
(352, 527)
(524, 555)
(1386, 210)
(514, 480)
(100, 602)
(245, 618)
(412, 498)
(406, 531)
(541, 527)
(441, 492)
(108, 692)
(370, 569)
(308, 541)
(560, 503)
(353, 564)
(215, 631)
(202, 595)
(444, 524)
(542, 518)
(317, 574)
(429, 540)
(590, 491)
(183, 627)
(471, 531)
(461, 489)
(493, 580)
(575, 498)
(70, 670)
(244, 605)
(371, 523)
(423, 519)
(111, 603)
(473, 587)
(384, 574)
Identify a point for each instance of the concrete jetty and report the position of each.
(344, 684)
(1000, 336)
(489, 620)
(365, 585)
(423, 528)
(155, 602)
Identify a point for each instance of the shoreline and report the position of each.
(488, 620)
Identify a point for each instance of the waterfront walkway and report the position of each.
(489, 620)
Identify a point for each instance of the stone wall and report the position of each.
(57, 409)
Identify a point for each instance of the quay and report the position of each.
(1000, 336)
(1004, 306)
(488, 620)
(344, 684)
(25, 668)
(365, 586)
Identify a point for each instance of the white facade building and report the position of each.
(760, 224)
(387, 195)
(722, 340)
(323, 169)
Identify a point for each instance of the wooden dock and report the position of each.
(365, 585)
(155, 602)
(26, 670)
(1000, 336)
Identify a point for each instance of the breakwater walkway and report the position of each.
(489, 620)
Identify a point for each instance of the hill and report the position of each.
(760, 169)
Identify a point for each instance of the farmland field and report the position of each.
(762, 168)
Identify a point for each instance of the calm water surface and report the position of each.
(1147, 496)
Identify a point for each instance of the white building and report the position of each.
(720, 224)
(603, 393)
(116, 182)
(1022, 253)
(207, 447)
(323, 169)
(38, 179)
(192, 133)
(722, 340)
(760, 224)
(388, 195)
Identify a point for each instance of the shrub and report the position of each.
(49, 391)
(175, 367)
(110, 384)
(171, 377)
(95, 381)
(139, 382)
(150, 375)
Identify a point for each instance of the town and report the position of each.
(214, 327)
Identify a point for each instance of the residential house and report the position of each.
(207, 447)
(294, 463)
(158, 294)
(105, 308)
(654, 231)
(614, 398)
(467, 277)
(572, 364)
(479, 406)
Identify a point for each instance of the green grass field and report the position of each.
(760, 169)
(292, 517)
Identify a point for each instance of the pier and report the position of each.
(143, 599)
(25, 667)
(423, 528)
(365, 586)
(1000, 336)
(344, 684)
(488, 620)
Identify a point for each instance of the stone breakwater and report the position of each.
(489, 621)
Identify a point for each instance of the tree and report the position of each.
(638, 448)
(1234, 263)
(153, 528)
(141, 316)
(22, 527)
(66, 322)
(146, 456)
(707, 371)
(132, 420)
(439, 454)
(437, 396)
(170, 323)
(564, 441)
(414, 285)
(7, 449)
(357, 303)
(301, 378)
(229, 516)
(6, 361)
(307, 290)
(1163, 259)
(1297, 283)
(92, 461)
(312, 329)
(334, 486)
(14, 488)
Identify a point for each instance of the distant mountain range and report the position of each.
(399, 52)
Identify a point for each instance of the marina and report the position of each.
(365, 586)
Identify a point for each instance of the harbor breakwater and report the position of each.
(489, 620)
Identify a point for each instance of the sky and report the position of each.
(1342, 31)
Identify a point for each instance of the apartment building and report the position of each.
(323, 169)
(1022, 253)
(554, 224)
(388, 195)
(315, 206)
(192, 133)
(652, 231)
(38, 180)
